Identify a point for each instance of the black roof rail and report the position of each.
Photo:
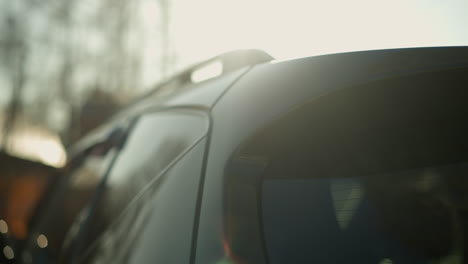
(230, 62)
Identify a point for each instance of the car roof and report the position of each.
(280, 81)
(285, 84)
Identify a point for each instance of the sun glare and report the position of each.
(289, 29)
(44, 148)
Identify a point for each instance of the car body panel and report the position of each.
(271, 90)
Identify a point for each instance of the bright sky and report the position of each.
(295, 28)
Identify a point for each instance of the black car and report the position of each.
(357, 157)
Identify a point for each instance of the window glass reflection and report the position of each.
(155, 142)
(412, 216)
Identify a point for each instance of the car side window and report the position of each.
(157, 227)
(156, 141)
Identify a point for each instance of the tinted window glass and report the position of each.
(399, 217)
(167, 238)
(157, 226)
(369, 174)
(155, 141)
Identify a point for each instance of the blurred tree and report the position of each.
(53, 52)
(98, 106)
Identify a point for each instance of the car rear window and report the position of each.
(375, 173)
